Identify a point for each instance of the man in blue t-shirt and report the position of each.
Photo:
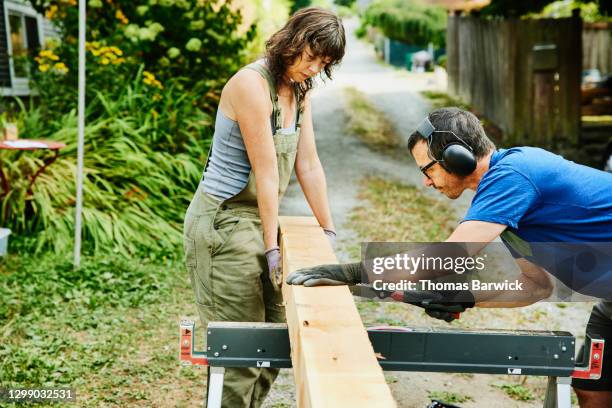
(540, 205)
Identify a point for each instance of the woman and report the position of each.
(263, 129)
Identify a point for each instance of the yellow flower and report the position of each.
(104, 61)
(157, 97)
(149, 79)
(119, 61)
(92, 45)
(148, 76)
(51, 12)
(121, 17)
(43, 67)
(61, 68)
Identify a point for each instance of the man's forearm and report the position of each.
(529, 294)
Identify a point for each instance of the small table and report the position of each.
(29, 144)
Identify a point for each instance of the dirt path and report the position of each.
(347, 161)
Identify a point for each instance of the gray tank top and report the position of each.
(228, 167)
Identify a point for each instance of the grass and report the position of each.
(449, 397)
(108, 329)
(517, 392)
(369, 124)
(442, 99)
(393, 211)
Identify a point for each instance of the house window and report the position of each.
(21, 42)
(19, 45)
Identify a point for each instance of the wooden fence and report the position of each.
(597, 47)
(523, 75)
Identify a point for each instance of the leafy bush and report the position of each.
(298, 4)
(143, 160)
(516, 8)
(442, 60)
(345, 3)
(188, 41)
(589, 11)
(154, 76)
(408, 21)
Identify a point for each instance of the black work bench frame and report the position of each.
(538, 353)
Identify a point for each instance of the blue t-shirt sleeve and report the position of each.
(504, 196)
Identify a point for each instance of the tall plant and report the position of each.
(135, 193)
(154, 76)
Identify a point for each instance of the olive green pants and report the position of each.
(224, 254)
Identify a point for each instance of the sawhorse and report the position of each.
(538, 353)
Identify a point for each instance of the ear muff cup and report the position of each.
(458, 159)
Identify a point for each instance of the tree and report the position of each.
(516, 8)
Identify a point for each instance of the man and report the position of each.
(525, 196)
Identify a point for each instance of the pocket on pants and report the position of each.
(224, 227)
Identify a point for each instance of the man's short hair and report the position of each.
(463, 123)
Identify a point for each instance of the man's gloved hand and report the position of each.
(328, 275)
(331, 235)
(443, 305)
(275, 270)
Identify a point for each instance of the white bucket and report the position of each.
(4, 234)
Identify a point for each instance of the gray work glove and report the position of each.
(331, 235)
(328, 275)
(275, 267)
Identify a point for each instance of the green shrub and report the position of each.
(189, 41)
(408, 21)
(345, 3)
(154, 75)
(299, 4)
(143, 160)
(442, 60)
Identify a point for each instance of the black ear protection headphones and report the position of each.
(457, 157)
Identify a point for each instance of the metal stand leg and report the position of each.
(558, 393)
(215, 387)
(564, 392)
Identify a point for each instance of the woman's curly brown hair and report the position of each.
(320, 29)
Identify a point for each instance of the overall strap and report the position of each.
(300, 108)
(264, 72)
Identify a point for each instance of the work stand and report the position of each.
(538, 353)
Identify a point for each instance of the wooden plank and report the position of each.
(333, 360)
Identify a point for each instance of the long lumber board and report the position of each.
(333, 360)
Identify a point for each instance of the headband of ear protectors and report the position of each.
(457, 157)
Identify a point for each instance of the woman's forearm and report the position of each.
(267, 202)
(314, 187)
